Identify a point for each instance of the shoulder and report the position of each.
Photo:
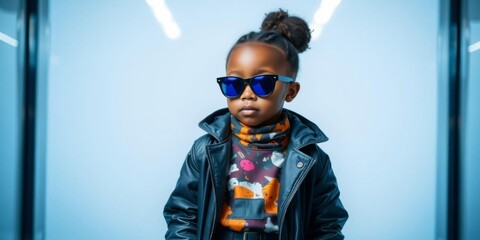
(303, 130)
(316, 152)
(200, 145)
(196, 157)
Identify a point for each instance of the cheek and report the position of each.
(231, 103)
(278, 96)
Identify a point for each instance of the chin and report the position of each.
(250, 122)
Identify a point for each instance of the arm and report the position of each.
(181, 209)
(329, 215)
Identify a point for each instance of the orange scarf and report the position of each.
(264, 137)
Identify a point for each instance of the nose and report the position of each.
(248, 94)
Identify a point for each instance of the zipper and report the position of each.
(209, 159)
(292, 193)
(214, 216)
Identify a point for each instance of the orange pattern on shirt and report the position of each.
(270, 195)
(241, 192)
(234, 224)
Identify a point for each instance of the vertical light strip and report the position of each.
(322, 16)
(8, 40)
(165, 18)
(474, 47)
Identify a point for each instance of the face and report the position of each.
(250, 59)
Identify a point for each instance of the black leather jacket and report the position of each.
(308, 207)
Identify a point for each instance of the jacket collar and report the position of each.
(303, 131)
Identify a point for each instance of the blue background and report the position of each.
(124, 101)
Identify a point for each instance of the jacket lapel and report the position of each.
(218, 159)
(294, 170)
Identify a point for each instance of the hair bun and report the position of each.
(293, 28)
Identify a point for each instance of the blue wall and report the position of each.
(470, 222)
(121, 119)
(10, 134)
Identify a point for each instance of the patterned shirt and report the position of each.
(251, 200)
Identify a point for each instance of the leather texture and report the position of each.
(308, 207)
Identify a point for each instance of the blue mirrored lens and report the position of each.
(232, 86)
(263, 85)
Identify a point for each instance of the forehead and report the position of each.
(253, 56)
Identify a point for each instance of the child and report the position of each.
(258, 173)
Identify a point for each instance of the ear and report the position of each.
(293, 90)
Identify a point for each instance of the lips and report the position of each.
(248, 108)
(248, 111)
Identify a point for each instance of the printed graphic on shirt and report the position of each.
(253, 189)
(234, 224)
(251, 200)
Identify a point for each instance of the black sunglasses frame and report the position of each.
(249, 80)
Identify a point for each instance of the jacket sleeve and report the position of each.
(329, 215)
(180, 211)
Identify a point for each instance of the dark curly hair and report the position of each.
(289, 33)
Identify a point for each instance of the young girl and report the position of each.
(258, 173)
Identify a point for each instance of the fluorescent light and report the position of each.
(8, 40)
(474, 47)
(322, 16)
(165, 18)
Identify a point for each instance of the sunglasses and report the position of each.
(261, 85)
